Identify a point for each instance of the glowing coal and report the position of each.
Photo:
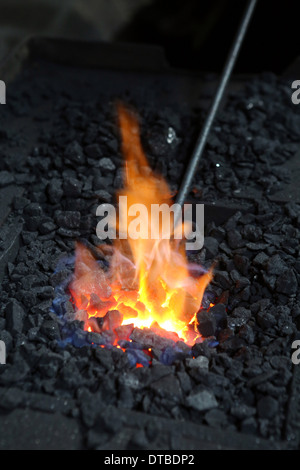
(149, 281)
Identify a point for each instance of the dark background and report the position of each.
(195, 34)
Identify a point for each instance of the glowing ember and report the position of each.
(148, 280)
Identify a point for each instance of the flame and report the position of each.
(148, 280)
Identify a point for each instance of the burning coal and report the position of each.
(149, 283)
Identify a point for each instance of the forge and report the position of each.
(140, 343)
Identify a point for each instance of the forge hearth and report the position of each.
(61, 157)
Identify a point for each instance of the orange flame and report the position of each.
(148, 280)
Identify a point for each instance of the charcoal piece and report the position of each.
(20, 202)
(67, 233)
(218, 233)
(68, 219)
(137, 356)
(107, 164)
(120, 358)
(112, 320)
(242, 263)
(148, 339)
(28, 237)
(203, 349)
(249, 425)
(261, 378)
(90, 404)
(54, 190)
(253, 233)
(6, 178)
(50, 329)
(104, 357)
(275, 265)
(14, 314)
(260, 259)
(280, 362)
(241, 411)
(256, 246)
(171, 354)
(267, 407)
(230, 344)
(72, 187)
(16, 372)
(215, 418)
(33, 209)
(103, 196)
(125, 344)
(211, 245)
(247, 334)
(265, 319)
(102, 182)
(94, 338)
(222, 278)
(46, 227)
(242, 283)
(234, 239)
(13, 398)
(167, 387)
(74, 153)
(185, 382)
(287, 283)
(242, 314)
(93, 151)
(45, 292)
(202, 400)
(200, 362)
(218, 311)
(123, 332)
(206, 323)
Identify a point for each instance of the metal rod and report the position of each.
(201, 141)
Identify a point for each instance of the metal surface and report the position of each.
(200, 144)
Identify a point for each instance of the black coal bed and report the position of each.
(63, 387)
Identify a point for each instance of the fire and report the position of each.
(148, 280)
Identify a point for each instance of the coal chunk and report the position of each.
(72, 187)
(6, 178)
(287, 283)
(275, 265)
(93, 151)
(202, 400)
(112, 320)
(68, 219)
(107, 164)
(267, 407)
(15, 314)
(54, 190)
(218, 311)
(206, 323)
(74, 153)
(211, 245)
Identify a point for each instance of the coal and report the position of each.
(112, 320)
(201, 400)
(230, 378)
(15, 314)
(206, 323)
(267, 407)
(107, 164)
(287, 282)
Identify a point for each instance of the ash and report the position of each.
(60, 159)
